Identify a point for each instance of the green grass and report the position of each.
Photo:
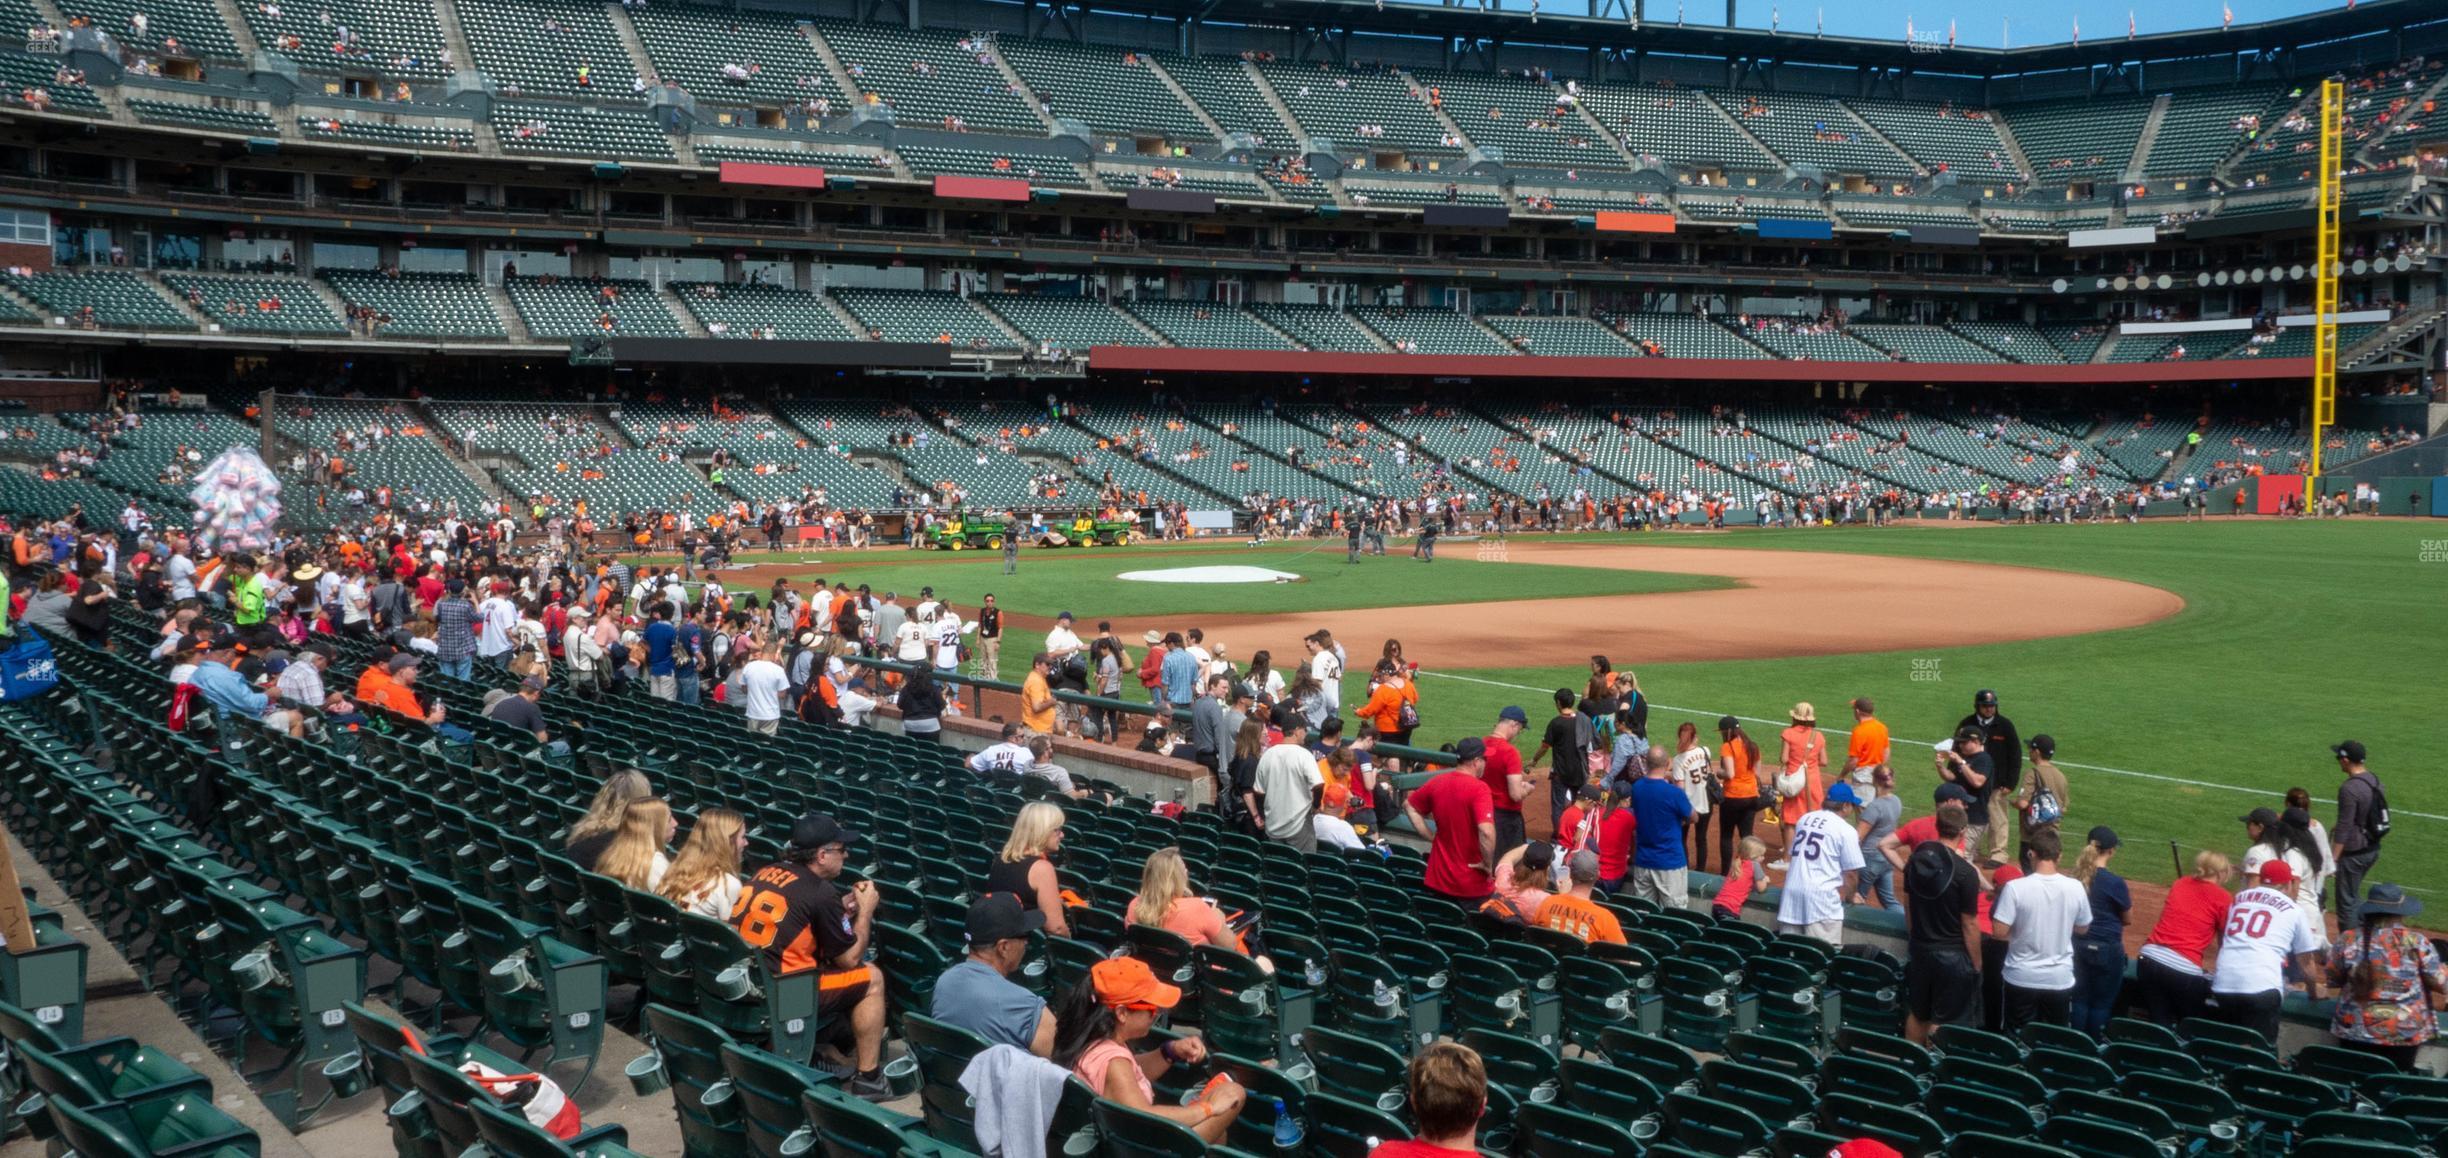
(1083, 581)
(2294, 636)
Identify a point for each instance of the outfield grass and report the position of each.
(1083, 580)
(2295, 635)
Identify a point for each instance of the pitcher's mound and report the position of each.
(1232, 574)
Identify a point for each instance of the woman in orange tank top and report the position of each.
(1737, 771)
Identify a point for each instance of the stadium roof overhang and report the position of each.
(1137, 359)
(1612, 32)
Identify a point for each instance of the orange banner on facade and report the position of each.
(1619, 222)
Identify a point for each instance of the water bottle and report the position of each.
(1288, 1131)
(1314, 972)
(1380, 994)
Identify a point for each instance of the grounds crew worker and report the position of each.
(2005, 748)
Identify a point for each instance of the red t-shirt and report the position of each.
(1736, 891)
(1458, 804)
(2195, 912)
(1615, 839)
(1503, 762)
(1406, 1148)
(1997, 881)
(1914, 833)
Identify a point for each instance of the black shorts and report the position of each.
(1942, 987)
(838, 990)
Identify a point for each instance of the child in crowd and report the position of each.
(1748, 875)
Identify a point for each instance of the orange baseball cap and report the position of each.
(1125, 981)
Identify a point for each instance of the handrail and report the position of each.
(1405, 752)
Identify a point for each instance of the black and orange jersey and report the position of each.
(795, 916)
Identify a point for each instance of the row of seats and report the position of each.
(394, 38)
(195, 116)
(420, 305)
(387, 133)
(580, 131)
(572, 307)
(257, 304)
(691, 47)
(119, 300)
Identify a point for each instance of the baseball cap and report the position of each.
(2104, 836)
(533, 683)
(1469, 749)
(815, 830)
(1514, 713)
(402, 662)
(1984, 698)
(1951, 791)
(1065, 617)
(1127, 981)
(318, 647)
(2264, 817)
(1842, 793)
(2349, 750)
(1727, 723)
(2276, 871)
(455, 586)
(1865, 1148)
(2045, 744)
(1584, 867)
(999, 917)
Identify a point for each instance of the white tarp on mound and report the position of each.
(1210, 575)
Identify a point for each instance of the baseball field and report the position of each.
(2188, 671)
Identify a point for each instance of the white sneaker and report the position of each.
(1779, 865)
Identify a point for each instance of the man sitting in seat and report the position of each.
(977, 995)
(792, 911)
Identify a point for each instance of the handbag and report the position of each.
(1790, 783)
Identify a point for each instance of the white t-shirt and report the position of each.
(2264, 928)
(2045, 911)
(495, 617)
(182, 577)
(909, 642)
(1061, 642)
(947, 640)
(1327, 669)
(2307, 885)
(763, 681)
(1824, 848)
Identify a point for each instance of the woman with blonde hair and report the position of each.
(593, 831)
(705, 877)
(2171, 983)
(2099, 953)
(635, 857)
(1025, 867)
(1166, 902)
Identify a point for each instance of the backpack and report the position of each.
(2044, 808)
(1407, 716)
(2376, 818)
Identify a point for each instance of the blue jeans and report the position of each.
(2099, 975)
(454, 733)
(463, 668)
(1878, 880)
(688, 685)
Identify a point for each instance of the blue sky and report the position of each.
(1977, 24)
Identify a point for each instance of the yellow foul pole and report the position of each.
(2325, 284)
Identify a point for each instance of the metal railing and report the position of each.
(1407, 753)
